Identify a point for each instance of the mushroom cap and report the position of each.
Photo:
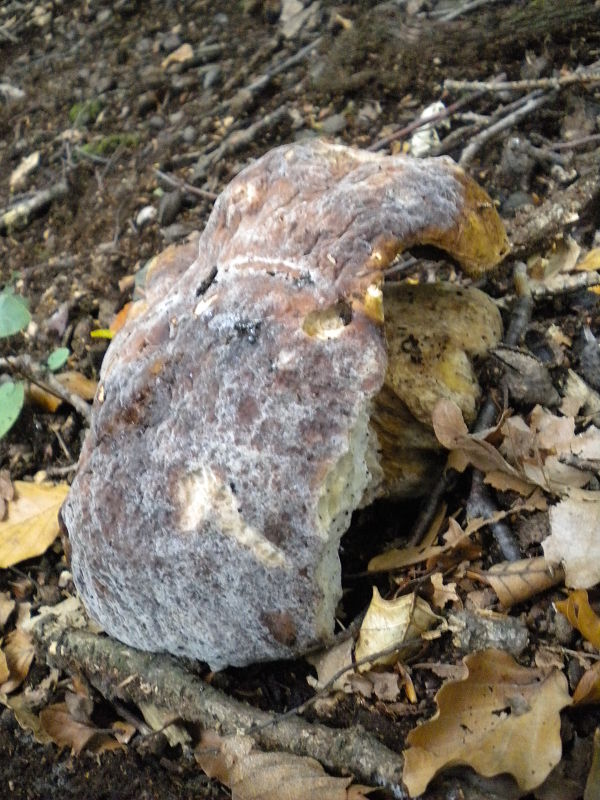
(230, 438)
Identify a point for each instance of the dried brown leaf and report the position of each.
(251, 774)
(19, 651)
(32, 521)
(57, 723)
(501, 718)
(7, 606)
(588, 688)
(517, 581)
(78, 384)
(444, 593)
(329, 664)
(4, 671)
(392, 622)
(574, 540)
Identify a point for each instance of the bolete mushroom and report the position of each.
(250, 404)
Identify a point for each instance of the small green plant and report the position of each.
(110, 144)
(15, 317)
(83, 114)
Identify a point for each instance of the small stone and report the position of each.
(145, 215)
(170, 42)
(103, 15)
(146, 102)
(212, 76)
(176, 118)
(169, 206)
(175, 232)
(189, 134)
(156, 122)
(334, 124)
(221, 20)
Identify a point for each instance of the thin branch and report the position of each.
(129, 675)
(524, 85)
(534, 101)
(36, 373)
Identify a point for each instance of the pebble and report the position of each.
(334, 124)
(174, 232)
(169, 207)
(212, 76)
(103, 15)
(145, 215)
(147, 101)
(170, 42)
(189, 134)
(156, 122)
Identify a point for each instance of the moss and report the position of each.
(109, 144)
(84, 114)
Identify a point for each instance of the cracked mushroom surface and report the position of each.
(231, 434)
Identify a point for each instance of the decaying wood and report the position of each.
(20, 214)
(535, 228)
(121, 673)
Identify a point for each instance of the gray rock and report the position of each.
(212, 76)
(144, 216)
(189, 134)
(169, 206)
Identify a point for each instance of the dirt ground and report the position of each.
(137, 139)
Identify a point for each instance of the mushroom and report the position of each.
(251, 402)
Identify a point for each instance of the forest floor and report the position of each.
(132, 118)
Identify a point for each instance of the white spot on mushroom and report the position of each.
(202, 495)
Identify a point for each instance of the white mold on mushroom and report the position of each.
(236, 431)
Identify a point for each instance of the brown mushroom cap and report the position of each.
(230, 439)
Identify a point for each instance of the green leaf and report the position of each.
(14, 316)
(12, 397)
(58, 358)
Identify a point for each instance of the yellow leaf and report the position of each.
(580, 614)
(390, 623)
(590, 262)
(501, 718)
(31, 524)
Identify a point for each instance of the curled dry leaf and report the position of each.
(329, 664)
(65, 731)
(390, 623)
(444, 593)
(31, 524)
(580, 614)
(18, 651)
(501, 718)
(588, 688)
(574, 542)
(4, 671)
(516, 581)
(252, 774)
(7, 606)
(6, 491)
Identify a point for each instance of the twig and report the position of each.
(524, 85)
(574, 143)
(533, 229)
(20, 214)
(482, 504)
(326, 688)
(245, 96)
(448, 16)
(237, 140)
(418, 123)
(129, 675)
(25, 366)
(184, 186)
(535, 100)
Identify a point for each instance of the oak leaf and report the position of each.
(252, 774)
(501, 718)
(516, 581)
(31, 524)
(573, 541)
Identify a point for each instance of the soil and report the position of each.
(136, 140)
